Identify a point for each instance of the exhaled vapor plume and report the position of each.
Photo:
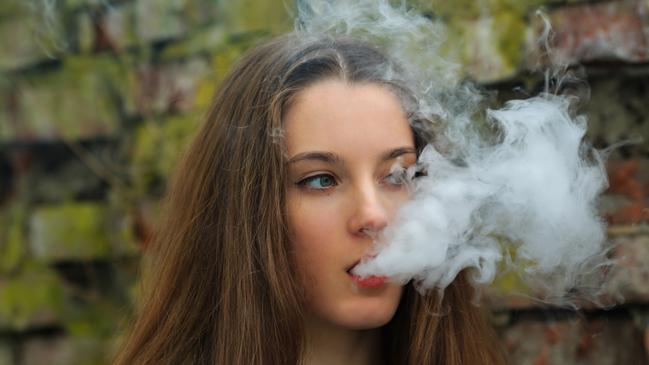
(522, 197)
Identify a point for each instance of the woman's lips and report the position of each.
(369, 282)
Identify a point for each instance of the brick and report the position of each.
(120, 83)
(158, 147)
(55, 173)
(61, 110)
(200, 12)
(618, 112)
(223, 57)
(627, 181)
(159, 20)
(85, 29)
(72, 5)
(98, 316)
(146, 219)
(489, 48)
(112, 28)
(76, 101)
(69, 231)
(465, 9)
(62, 350)
(4, 116)
(116, 28)
(12, 237)
(34, 297)
(577, 341)
(646, 340)
(611, 206)
(469, 9)
(204, 40)
(509, 291)
(244, 16)
(121, 226)
(23, 48)
(623, 179)
(6, 354)
(4, 131)
(82, 231)
(71, 180)
(634, 212)
(12, 8)
(605, 31)
(57, 350)
(170, 87)
(629, 278)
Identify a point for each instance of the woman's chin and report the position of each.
(367, 319)
(368, 312)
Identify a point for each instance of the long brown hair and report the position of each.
(220, 285)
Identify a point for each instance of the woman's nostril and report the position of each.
(370, 232)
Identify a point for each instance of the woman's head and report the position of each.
(276, 198)
(344, 127)
(343, 141)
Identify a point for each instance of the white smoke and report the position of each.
(524, 195)
(405, 35)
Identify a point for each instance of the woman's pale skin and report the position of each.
(343, 141)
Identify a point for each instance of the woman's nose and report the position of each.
(369, 211)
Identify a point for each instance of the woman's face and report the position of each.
(343, 140)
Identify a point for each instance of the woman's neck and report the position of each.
(330, 344)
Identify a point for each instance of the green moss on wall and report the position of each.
(241, 16)
(34, 296)
(158, 20)
(79, 100)
(510, 280)
(223, 57)
(466, 9)
(203, 40)
(70, 231)
(474, 9)
(12, 8)
(95, 318)
(19, 44)
(489, 47)
(12, 237)
(158, 147)
(120, 227)
(199, 12)
(510, 30)
(6, 354)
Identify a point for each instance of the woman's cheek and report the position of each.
(315, 230)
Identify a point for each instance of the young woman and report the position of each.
(278, 198)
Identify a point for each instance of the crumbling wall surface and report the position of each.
(99, 97)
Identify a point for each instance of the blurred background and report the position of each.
(99, 97)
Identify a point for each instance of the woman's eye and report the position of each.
(396, 178)
(318, 182)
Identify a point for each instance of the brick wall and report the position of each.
(98, 98)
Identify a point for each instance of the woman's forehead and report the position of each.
(340, 116)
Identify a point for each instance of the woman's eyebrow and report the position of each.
(394, 153)
(333, 158)
(316, 155)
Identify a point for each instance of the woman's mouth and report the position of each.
(370, 282)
